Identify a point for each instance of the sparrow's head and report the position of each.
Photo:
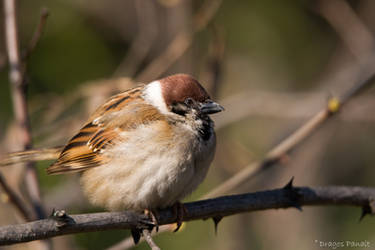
(180, 94)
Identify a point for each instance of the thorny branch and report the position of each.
(362, 79)
(289, 196)
(328, 110)
(276, 155)
(144, 40)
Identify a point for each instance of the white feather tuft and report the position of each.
(154, 96)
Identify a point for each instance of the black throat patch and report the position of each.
(205, 132)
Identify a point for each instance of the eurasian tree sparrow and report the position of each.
(146, 148)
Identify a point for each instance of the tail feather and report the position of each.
(30, 155)
(57, 168)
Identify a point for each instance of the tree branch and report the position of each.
(44, 13)
(276, 155)
(18, 91)
(289, 196)
(147, 235)
(181, 43)
(14, 199)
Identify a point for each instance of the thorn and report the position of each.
(365, 211)
(289, 185)
(216, 220)
(293, 194)
(368, 209)
(136, 235)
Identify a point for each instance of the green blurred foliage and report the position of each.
(285, 36)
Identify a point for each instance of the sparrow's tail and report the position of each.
(30, 155)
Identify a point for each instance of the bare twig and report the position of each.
(15, 73)
(286, 197)
(299, 105)
(341, 16)
(350, 59)
(147, 235)
(142, 43)
(37, 34)
(175, 50)
(277, 153)
(215, 61)
(18, 89)
(15, 199)
(3, 62)
(180, 43)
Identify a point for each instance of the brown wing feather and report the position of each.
(117, 102)
(85, 150)
(77, 155)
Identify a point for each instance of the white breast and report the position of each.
(155, 166)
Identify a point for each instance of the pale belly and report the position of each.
(147, 177)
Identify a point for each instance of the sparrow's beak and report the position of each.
(210, 107)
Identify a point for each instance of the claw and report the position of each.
(154, 215)
(180, 212)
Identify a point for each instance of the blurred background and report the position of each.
(272, 64)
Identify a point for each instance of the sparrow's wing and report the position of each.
(77, 155)
(103, 131)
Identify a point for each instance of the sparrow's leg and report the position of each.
(180, 211)
(154, 215)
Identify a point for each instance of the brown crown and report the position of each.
(176, 88)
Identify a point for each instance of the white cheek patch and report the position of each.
(154, 96)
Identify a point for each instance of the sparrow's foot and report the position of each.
(154, 215)
(179, 211)
(62, 218)
(145, 224)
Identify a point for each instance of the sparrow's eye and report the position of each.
(189, 101)
(180, 108)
